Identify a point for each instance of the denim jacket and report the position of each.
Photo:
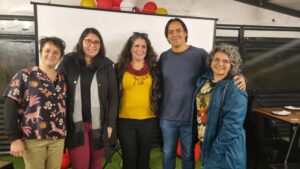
(224, 142)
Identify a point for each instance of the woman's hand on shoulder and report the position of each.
(240, 81)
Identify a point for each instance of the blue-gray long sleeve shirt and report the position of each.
(180, 72)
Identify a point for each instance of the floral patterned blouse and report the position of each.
(202, 103)
(41, 103)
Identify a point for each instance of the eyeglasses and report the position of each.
(140, 33)
(90, 42)
(224, 61)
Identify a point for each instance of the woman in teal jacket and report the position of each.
(221, 109)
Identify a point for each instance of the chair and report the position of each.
(274, 147)
(6, 164)
(287, 165)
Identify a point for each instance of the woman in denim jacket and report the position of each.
(221, 109)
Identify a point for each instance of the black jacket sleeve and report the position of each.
(112, 97)
(11, 123)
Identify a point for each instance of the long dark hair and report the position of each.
(126, 56)
(79, 47)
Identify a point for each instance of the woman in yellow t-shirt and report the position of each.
(139, 92)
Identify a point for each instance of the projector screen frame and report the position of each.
(35, 5)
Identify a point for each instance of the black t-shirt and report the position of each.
(86, 77)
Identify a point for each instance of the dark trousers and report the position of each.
(136, 138)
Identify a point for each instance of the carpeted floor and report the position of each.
(155, 161)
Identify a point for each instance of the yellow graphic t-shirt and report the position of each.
(135, 101)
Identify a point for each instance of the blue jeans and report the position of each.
(171, 131)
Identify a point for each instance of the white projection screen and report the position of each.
(68, 22)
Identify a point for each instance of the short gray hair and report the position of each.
(233, 54)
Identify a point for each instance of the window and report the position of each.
(271, 55)
(17, 46)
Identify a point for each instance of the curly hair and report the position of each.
(125, 57)
(151, 57)
(233, 54)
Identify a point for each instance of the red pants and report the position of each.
(84, 157)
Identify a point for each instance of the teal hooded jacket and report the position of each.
(224, 142)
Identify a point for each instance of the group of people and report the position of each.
(87, 103)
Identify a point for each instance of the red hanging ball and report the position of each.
(66, 160)
(104, 4)
(116, 2)
(149, 8)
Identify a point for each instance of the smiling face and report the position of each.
(139, 49)
(91, 46)
(220, 65)
(176, 35)
(50, 55)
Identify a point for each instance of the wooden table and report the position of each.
(293, 118)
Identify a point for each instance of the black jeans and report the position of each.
(136, 138)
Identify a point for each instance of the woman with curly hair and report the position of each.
(139, 92)
(221, 110)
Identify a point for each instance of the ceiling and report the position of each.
(290, 4)
(289, 7)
